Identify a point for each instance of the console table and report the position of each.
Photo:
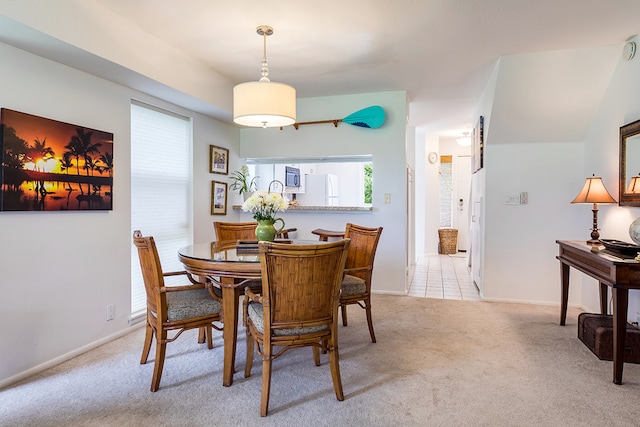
(612, 271)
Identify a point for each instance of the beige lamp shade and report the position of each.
(264, 104)
(594, 191)
(634, 185)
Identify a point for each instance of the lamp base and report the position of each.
(594, 242)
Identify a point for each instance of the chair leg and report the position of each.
(316, 355)
(161, 346)
(148, 338)
(202, 334)
(334, 362)
(249, 360)
(266, 385)
(209, 335)
(369, 320)
(343, 309)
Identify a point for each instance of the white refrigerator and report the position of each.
(320, 190)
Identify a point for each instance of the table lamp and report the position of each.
(634, 185)
(594, 192)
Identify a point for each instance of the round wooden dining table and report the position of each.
(227, 264)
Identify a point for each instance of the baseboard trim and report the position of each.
(63, 358)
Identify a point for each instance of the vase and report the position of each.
(266, 230)
(246, 195)
(634, 231)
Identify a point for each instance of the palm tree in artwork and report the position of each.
(40, 151)
(80, 146)
(66, 163)
(107, 161)
(74, 150)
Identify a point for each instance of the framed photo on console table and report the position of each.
(218, 198)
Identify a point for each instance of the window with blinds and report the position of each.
(160, 190)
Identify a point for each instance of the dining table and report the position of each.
(221, 264)
(228, 268)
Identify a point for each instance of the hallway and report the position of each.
(443, 277)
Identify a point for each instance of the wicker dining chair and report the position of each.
(172, 308)
(298, 307)
(356, 285)
(242, 231)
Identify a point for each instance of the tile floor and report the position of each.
(444, 277)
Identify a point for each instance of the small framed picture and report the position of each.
(218, 198)
(218, 160)
(477, 136)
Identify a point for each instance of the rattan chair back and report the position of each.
(299, 303)
(356, 286)
(235, 230)
(173, 308)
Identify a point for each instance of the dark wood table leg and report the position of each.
(620, 306)
(603, 298)
(230, 305)
(564, 273)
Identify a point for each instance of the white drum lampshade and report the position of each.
(264, 104)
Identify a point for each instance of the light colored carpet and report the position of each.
(436, 363)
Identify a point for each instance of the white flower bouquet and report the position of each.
(264, 205)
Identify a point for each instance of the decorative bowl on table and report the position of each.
(634, 231)
(620, 246)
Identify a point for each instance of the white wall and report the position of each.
(620, 105)
(517, 246)
(387, 146)
(59, 270)
(520, 246)
(427, 196)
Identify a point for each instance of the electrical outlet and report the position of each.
(387, 197)
(111, 312)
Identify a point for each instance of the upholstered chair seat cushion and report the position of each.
(189, 304)
(352, 285)
(256, 314)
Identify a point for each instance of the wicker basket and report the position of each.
(448, 240)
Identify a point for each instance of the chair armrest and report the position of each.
(250, 295)
(284, 233)
(181, 273)
(174, 273)
(356, 270)
(181, 288)
(325, 234)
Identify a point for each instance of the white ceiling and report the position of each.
(440, 51)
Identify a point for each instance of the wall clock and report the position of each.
(433, 157)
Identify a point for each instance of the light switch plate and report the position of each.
(521, 198)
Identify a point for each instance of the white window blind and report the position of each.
(160, 190)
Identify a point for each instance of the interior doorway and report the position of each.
(455, 195)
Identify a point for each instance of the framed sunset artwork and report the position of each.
(48, 165)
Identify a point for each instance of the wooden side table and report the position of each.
(615, 272)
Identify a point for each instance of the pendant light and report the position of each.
(264, 103)
(465, 141)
